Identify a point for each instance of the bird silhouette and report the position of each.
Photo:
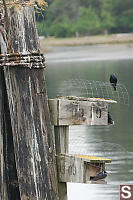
(110, 120)
(113, 81)
(100, 176)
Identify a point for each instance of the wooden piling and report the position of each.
(29, 126)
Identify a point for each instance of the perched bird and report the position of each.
(110, 120)
(100, 176)
(113, 81)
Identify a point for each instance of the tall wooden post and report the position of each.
(28, 108)
(61, 142)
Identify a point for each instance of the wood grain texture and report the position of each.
(74, 112)
(2, 178)
(77, 170)
(10, 171)
(29, 114)
(61, 144)
(61, 139)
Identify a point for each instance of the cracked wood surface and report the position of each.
(29, 114)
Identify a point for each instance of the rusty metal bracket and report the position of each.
(29, 60)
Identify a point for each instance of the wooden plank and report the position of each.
(53, 107)
(61, 139)
(62, 190)
(92, 99)
(70, 169)
(94, 159)
(61, 145)
(77, 169)
(74, 112)
(29, 114)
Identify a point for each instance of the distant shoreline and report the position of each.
(61, 54)
(88, 40)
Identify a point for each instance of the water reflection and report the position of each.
(114, 142)
(92, 192)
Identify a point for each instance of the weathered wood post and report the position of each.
(29, 122)
(61, 133)
(61, 143)
(1, 140)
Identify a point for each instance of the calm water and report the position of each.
(114, 142)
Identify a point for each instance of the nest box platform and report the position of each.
(79, 168)
(79, 111)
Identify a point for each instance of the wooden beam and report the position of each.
(74, 112)
(70, 169)
(78, 169)
(61, 144)
(61, 139)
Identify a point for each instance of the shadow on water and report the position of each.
(115, 142)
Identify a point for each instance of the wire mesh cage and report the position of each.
(94, 89)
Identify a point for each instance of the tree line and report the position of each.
(69, 18)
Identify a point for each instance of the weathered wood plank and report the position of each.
(61, 139)
(62, 191)
(61, 143)
(70, 169)
(74, 112)
(77, 169)
(89, 99)
(94, 159)
(29, 114)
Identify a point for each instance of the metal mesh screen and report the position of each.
(94, 89)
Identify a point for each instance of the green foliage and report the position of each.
(62, 28)
(42, 28)
(87, 22)
(65, 18)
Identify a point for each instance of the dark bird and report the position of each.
(100, 176)
(113, 81)
(110, 120)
